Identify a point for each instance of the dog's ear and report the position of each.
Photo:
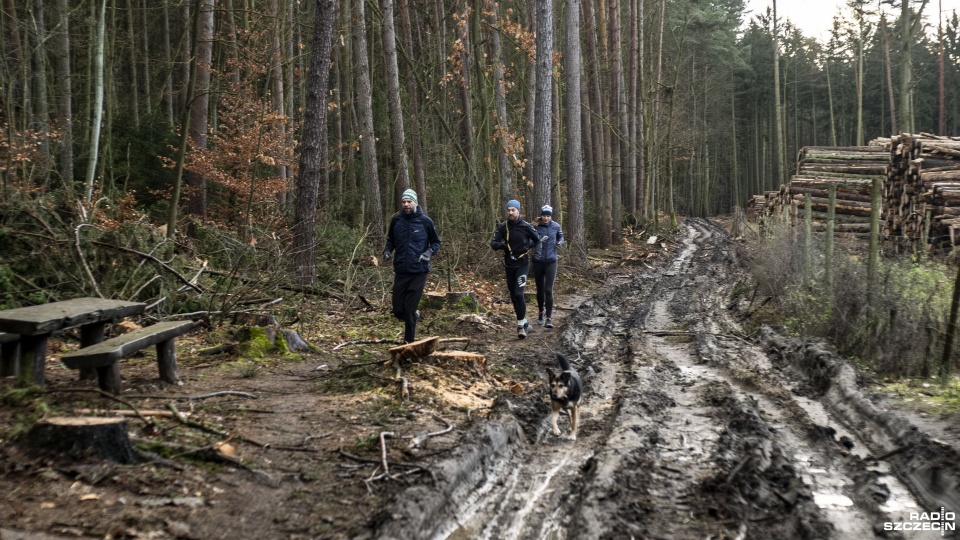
(565, 377)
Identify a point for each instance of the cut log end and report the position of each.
(417, 349)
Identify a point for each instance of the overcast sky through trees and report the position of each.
(815, 17)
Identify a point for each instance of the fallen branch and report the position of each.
(895, 451)
(207, 429)
(367, 342)
(224, 347)
(221, 393)
(107, 395)
(154, 260)
(416, 441)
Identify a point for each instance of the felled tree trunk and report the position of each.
(85, 437)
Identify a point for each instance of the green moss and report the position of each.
(927, 396)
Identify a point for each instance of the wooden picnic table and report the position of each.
(35, 325)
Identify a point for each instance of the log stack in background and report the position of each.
(921, 189)
(851, 169)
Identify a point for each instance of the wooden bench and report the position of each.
(105, 356)
(33, 326)
(9, 353)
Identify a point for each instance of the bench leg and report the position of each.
(9, 353)
(167, 361)
(90, 334)
(33, 358)
(108, 377)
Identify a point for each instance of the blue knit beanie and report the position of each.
(514, 204)
(410, 194)
(546, 210)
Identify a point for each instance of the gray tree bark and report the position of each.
(313, 154)
(398, 142)
(543, 106)
(573, 151)
(368, 144)
(60, 46)
(200, 105)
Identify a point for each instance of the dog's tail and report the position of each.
(564, 365)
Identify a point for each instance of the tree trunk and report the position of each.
(781, 159)
(942, 111)
(368, 144)
(573, 151)
(60, 45)
(602, 183)
(168, 61)
(134, 72)
(172, 216)
(543, 107)
(97, 102)
(618, 102)
(313, 154)
(200, 105)
(398, 142)
(466, 104)
(507, 147)
(419, 175)
(148, 92)
(278, 91)
(635, 117)
(888, 70)
(41, 104)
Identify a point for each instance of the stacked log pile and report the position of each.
(851, 169)
(923, 190)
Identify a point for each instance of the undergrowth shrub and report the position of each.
(895, 327)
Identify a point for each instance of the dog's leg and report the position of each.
(574, 420)
(553, 421)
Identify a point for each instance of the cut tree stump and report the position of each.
(417, 349)
(83, 437)
(478, 361)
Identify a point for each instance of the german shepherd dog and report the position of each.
(565, 393)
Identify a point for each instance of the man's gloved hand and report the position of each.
(562, 243)
(543, 238)
(386, 255)
(425, 256)
(498, 245)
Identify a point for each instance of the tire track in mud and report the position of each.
(687, 431)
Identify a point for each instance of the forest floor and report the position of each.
(696, 423)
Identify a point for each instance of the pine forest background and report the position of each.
(276, 134)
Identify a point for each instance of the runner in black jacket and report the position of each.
(516, 237)
(412, 240)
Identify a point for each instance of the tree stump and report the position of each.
(85, 437)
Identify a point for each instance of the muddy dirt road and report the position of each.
(690, 429)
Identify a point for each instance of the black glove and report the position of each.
(425, 256)
(386, 255)
(498, 245)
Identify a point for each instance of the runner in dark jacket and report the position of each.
(411, 240)
(516, 237)
(545, 264)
